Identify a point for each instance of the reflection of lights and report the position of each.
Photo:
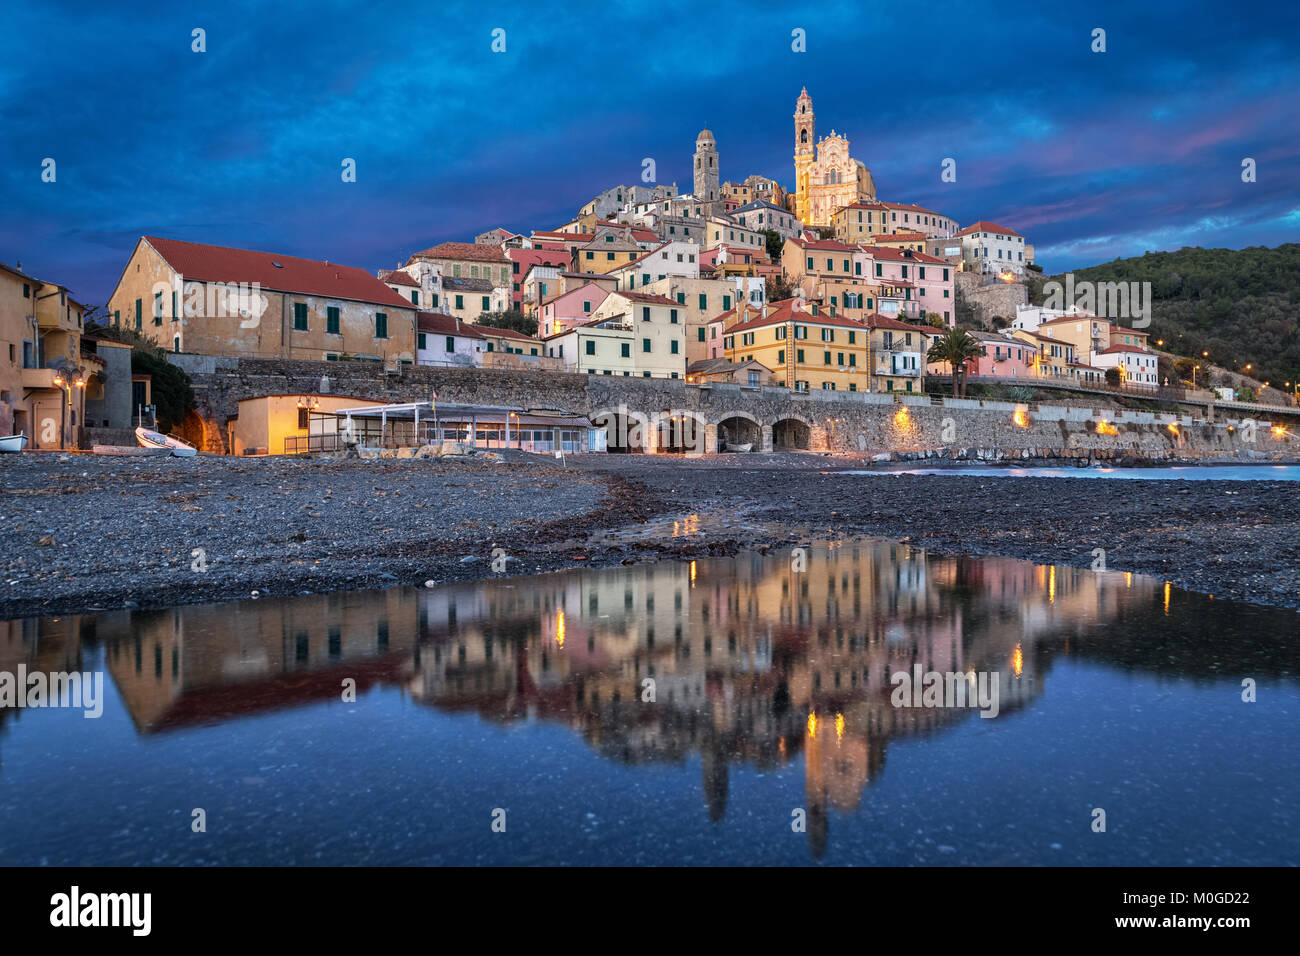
(1051, 585)
(1173, 427)
(780, 747)
(1106, 428)
(1128, 579)
(812, 725)
(839, 726)
(692, 574)
(559, 628)
(1018, 661)
(1020, 418)
(1167, 598)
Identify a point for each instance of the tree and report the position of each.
(1113, 377)
(955, 347)
(775, 244)
(172, 394)
(513, 320)
(778, 289)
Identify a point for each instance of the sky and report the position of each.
(1090, 155)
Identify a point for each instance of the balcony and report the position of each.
(39, 377)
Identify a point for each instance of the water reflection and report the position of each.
(752, 661)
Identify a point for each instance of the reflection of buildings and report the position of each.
(752, 660)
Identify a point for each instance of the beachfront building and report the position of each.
(1136, 365)
(445, 340)
(214, 300)
(1002, 356)
(600, 346)
(44, 373)
(908, 283)
(896, 354)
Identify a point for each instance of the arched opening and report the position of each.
(803, 136)
(624, 431)
(736, 432)
(790, 434)
(679, 434)
(194, 430)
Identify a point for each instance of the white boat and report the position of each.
(747, 446)
(148, 438)
(13, 443)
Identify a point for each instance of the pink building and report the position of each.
(910, 282)
(572, 308)
(521, 260)
(1003, 357)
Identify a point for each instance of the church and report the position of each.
(829, 178)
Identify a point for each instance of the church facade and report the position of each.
(827, 177)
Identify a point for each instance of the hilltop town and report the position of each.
(821, 287)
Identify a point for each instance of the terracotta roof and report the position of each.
(913, 207)
(781, 312)
(443, 324)
(205, 263)
(1127, 348)
(899, 255)
(649, 297)
(1077, 317)
(985, 226)
(397, 277)
(464, 250)
(899, 237)
(489, 332)
(824, 245)
(548, 236)
(878, 321)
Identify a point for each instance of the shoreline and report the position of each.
(87, 533)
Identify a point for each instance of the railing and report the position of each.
(305, 444)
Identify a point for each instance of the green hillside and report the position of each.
(1240, 305)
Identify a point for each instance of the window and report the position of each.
(586, 306)
(174, 315)
(302, 419)
(487, 304)
(157, 308)
(826, 359)
(381, 325)
(332, 319)
(27, 291)
(673, 347)
(451, 343)
(645, 346)
(415, 297)
(780, 357)
(591, 347)
(799, 356)
(138, 313)
(300, 316)
(420, 341)
(672, 316)
(625, 350)
(704, 301)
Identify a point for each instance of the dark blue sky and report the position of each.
(1089, 155)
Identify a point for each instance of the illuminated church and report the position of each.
(830, 179)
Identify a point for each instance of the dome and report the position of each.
(706, 136)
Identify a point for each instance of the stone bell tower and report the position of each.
(706, 166)
(804, 145)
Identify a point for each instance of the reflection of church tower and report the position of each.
(706, 166)
(713, 768)
(803, 152)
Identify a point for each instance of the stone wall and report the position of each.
(859, 423)
(990, 299)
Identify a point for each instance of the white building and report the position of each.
(1137, 366)
(761, 215)
(446, 340)
(987, 247)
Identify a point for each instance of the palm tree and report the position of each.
(955, 347)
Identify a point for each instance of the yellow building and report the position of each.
(805, 349)
(213, 300)
(280, 424)
(827, 177)
(43, 374)
(659, 332)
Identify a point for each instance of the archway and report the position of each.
(791, 434)
(680, 433)
(193, 429)
(625, 431)
(737, 430)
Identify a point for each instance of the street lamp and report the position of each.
(1194, 370)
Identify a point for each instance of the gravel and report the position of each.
(86, 532)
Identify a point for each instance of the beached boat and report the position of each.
(13, 443)
(148, 438)
(747, 446)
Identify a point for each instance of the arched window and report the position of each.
(803, 136)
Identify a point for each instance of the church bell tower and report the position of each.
(804, 144)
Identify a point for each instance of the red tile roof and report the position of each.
(443, 324)
(913, 207)
(985, 226)
(899, 237)
(397, 277)
(781, 312)
(824, 245)
(648, 297)
(464, 250)
(898, 255)
(878, 321)
(205, 263)
(1127, 348)
(489, 331)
